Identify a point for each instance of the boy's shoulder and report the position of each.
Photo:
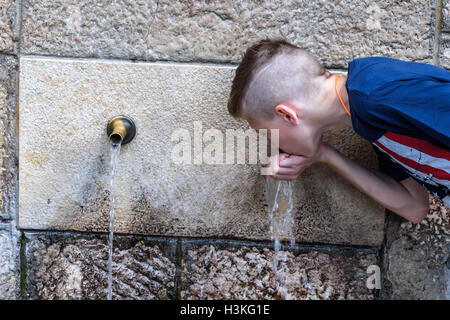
(367, 74)
(410, 98)
(367, 61)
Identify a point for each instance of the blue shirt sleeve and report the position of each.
(405, 97)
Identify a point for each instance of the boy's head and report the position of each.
(280, 86)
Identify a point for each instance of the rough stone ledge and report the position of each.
(230, 270)
(213, 63)
(221, 242)
(416, 256)
(285, 245)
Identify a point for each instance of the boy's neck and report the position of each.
(334, 114)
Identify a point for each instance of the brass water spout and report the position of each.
(120, 129)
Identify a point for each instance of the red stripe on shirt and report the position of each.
(437, 173)
(419, 144)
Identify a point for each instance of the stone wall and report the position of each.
(9, 234)
(444, 49)
(176, 242)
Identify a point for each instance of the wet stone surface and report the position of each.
(75, 267)
(223, 272)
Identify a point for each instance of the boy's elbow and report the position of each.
(416, 206)
(418, 213)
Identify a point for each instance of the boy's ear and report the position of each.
(288, 112)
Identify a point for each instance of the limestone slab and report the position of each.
(336, 31)
(64, 154)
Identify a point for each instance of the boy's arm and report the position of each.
(407, 198)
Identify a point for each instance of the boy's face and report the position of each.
(301, 139)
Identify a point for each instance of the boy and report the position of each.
(402, 108)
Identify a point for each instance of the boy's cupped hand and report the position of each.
(285, 166)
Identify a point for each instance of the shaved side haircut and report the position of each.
(271, 72)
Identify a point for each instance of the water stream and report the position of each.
(280, 200)
(114, 152)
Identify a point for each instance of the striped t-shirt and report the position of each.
(403, 109)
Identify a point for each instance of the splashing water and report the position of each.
(280, 199)
(114, 151)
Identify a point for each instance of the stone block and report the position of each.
(445, 16)
(220, 31)
(223, 271)
(9, 25)
(444, 50)
(73, 267)
(9, 266)
(65, 105)
(8, 145)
